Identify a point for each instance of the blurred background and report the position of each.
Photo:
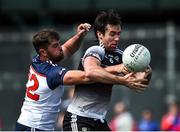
(153, 23)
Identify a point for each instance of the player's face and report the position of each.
(111, 37)
(55, 52)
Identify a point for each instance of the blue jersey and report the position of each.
(44, 90)
(146, 125)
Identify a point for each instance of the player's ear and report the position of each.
(99, 34)
(43, 52)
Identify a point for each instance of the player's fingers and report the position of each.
(137, 89)
(87, 26)
(125, 70)
(139, 86)
(129, 74)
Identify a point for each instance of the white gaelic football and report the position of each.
(136, 57)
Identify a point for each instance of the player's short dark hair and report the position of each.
(103, 18)
(43, 38)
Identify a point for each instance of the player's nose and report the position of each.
(117, 38)
(60, 47)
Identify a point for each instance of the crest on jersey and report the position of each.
(60, 72)
(116, 58)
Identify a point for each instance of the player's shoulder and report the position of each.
(95, 46)
(43, 67)
(96, 51)
(119, 51)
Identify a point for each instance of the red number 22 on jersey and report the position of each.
(34, 87)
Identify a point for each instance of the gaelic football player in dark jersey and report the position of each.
(89, 105)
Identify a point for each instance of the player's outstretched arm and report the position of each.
(73, 77)
(73, 44)
(95, 72)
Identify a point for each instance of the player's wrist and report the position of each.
(81, 34)
(121, 80)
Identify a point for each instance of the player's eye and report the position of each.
(112, 34)
(55, 45)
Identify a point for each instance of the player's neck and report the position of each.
(43, 58)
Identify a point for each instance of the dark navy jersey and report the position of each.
(91, 100)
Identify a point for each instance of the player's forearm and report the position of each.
(73, 44)
(101, 75)
(112, 69)
(74, 77)
(116, 69)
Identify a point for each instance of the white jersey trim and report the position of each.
(72, 110)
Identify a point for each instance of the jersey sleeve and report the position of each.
(94, 51)
(55, 76)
